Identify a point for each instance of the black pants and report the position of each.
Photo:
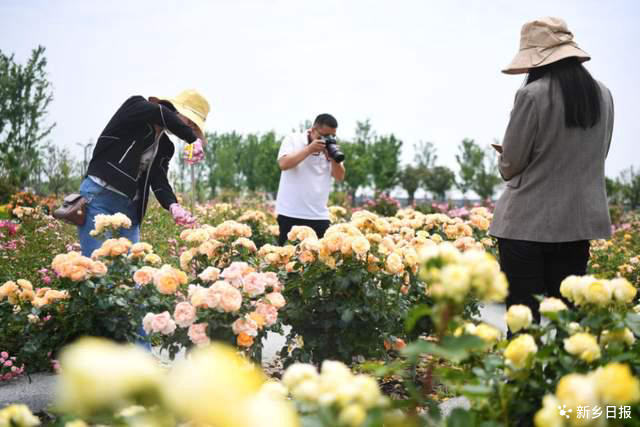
(538, 268)
(286, 223)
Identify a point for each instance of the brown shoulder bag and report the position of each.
(73, 209)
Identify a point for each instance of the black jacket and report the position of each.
(116, 156)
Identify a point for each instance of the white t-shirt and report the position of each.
(303, 191)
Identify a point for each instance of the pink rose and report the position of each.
(8, 363)
(4, 355)
(276, 299)
(163, 323)
(46, 280)
(268, 311)
(185, 314)
(254, 284)
(230, 299)
(212, 298)
(234, 272)
(198, 334)
(146, 322)
(246, 325)
(271, 280)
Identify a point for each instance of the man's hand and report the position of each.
(316, 146)
(180, 215)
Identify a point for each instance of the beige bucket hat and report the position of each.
(542, 42)
(192, 104)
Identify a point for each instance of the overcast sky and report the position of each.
(424, 70)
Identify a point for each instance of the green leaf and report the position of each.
(454, 349)
(460, 418)
(632, 320)
(476, 390)
(347, 316)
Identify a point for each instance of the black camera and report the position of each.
(332, 149)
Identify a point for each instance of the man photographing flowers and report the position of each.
(308, 161)
(131, 159)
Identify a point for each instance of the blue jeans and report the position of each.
(101, 200)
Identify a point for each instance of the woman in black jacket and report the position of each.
(131, 158)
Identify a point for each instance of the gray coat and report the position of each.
(555, 190)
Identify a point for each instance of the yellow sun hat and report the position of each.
(191, 104)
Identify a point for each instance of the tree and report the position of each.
(357, 158)
(438, 180)
(222, 158)
(60, 170)
(487, 177)
(259, 162)
(425, 154)
(469, 160)
(410, 179)
(630, 181)
(614, 190)
(25, 94)
(385, 162)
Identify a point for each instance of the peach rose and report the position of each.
(245, 325)
(230, 299)
(209, 274)
(166, 284)
(268, 312)
(198, 334)
(185, 314)
(276, 299)
(98, 268)
(144, 276)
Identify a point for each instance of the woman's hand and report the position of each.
(194, 153)
(180, 215)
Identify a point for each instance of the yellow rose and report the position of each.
(598, 293)
(394, 263)
(18, 415)
(552, 305)
(518, 317)
(616, 385)
(456, 280)
(548, 415)
(97, 374)
(583, 345)
(623, 291)
(212, 387)
(488, 333)
(360, 245)
(621, 335)
(519, 350)
(576, 390)
(152, 259)
(352, 415)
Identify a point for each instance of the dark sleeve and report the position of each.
(519, 137)
(139, 109)
(158, 175)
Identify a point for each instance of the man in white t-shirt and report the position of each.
(305, 180)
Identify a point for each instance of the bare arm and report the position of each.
(337, 170)
(292, 160)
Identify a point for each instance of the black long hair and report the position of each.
(580, 92)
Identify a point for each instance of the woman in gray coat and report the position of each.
(552, 160)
